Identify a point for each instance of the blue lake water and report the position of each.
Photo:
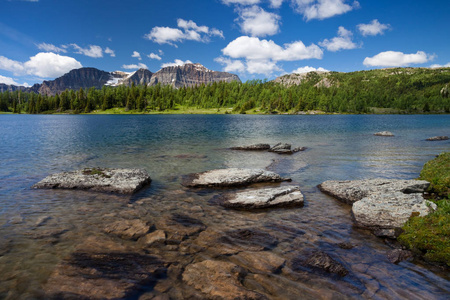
(169, 146)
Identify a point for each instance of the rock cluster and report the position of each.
(122, 181)
(280, 148)
(381, 205)
(384, 133)
(438, 138)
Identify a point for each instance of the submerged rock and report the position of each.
(386, 213)
(438, 138)
(122, 181)
(219, 280)
(321, 261)
(127, 229)
(178, 227)
(255, 147)
(231, 177)
(350, 191)
(398, 255)
(263, 198)
(261, 261)
(384, 133)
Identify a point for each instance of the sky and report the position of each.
(255, 39)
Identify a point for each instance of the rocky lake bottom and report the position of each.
(169, 241)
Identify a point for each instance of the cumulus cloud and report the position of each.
(276, 3)
(92, 50)
(437, 66)
(177, 62)
(397, 59)
(43, 64)
(110, 52)
(231, 65)
(11, 81)
(136, 55)
(241, 2)
(187, 30)
(323, 9)
(261, 56)
(307, 69)
(154, 56)
(373, 28)
(252, 48)
(135, 66)
(255, 21)
(342, 41)
(50, 48)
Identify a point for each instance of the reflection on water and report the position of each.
(40, 229)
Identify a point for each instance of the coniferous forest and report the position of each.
(398, 90)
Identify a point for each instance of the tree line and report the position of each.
(406, 90)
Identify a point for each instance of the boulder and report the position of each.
(127, 229)
(384, 133)
(219, 280)
(281, 148)
(122, 181)
(438, 138)
(386, 213)
(350, 191)
(255, 147)
(263, 198)
(231, 177)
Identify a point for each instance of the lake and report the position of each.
(41, 229)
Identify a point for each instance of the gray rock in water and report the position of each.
(386, 213)
(384, 133)
(231, 177)
(281, 148)
(322, 261)
(438, 138)
(122, 181)
(255, 147)
(298, 149)
(398, 255)
(263, 198)
(350, 191)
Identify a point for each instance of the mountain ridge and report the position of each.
(188, 75)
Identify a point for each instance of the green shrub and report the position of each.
(437, 172)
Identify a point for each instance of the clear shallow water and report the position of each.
(339, 147)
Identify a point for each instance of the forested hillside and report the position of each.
(402, 90)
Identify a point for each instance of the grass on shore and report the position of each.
(429, 236)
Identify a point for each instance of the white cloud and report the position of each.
(255, 21)
(241, 2)
(177, 62)
(136, 55)
(43, 64)
(110, 52)
(154, 56)
(397, 59)
(135, 66)
(323, 9)
(373, 28)
(307, 69)
(342, 41)
(266, 67)
(231, 65)
(50, 48)
(437, 66)
(92, 51)
(276, 3)
(11, 81)
(252, 48)
(190, 31)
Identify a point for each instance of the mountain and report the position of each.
(190, 75)
(178, 76)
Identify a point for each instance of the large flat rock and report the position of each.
(350, 191)
(231, 177)
(263, 198)
(122, 181)
(386, 213)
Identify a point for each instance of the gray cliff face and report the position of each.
(190, 75)
(140, 77)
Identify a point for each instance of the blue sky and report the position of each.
(256, 39)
